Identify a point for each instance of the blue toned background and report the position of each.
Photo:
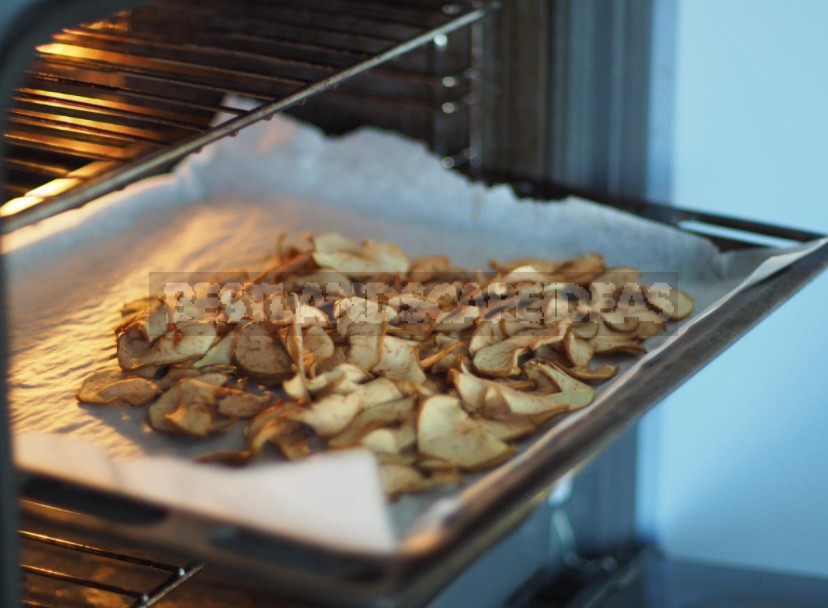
(734, 466)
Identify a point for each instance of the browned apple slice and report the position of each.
(241, 404)
(599, 373)
(196, 413)
(261, 357)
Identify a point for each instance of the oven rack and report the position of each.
(107, 103)
(139, 598)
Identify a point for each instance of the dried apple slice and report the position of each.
(371, 259)
(331, 414)
(147, 316)
(617, 344)
(599, 373)
(578, 351)
(289, 245)
(582, 270)
(500, 360)
(188, 341)
(434, 358)
(400, 479)
(221, 353)
(196, 413)
(259, 356)
(399, 359)
(510, 428)
(673, 302)
(241, 404)
(618, 277)
(384, 414)
(361, 316)
(365, 351)
(486, 334)
(456, 320)
(113, 387)
(445, 431)
(333, 242)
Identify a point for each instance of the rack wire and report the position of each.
(110, 102)
(41, 595)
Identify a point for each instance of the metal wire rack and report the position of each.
(110, 102)
(48, 587)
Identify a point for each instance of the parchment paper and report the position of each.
(222, 210)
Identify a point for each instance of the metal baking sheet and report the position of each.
(69, 275)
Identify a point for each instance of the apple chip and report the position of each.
(673, 302)
(445, 431)
(371, 258)
(399, 359)
(600, 373)
(509, 428)
(113, 387)
(617, 344)
(390, 413)
(331, 414)
(578, 351)
(197, 413)
(259, 356)
(221, 353)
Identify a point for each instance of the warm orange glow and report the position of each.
(36, 196)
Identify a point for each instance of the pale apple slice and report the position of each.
(578, 351)
(400, 360)
(486, 334)
(510, 428)
(332, 413)
(371, 259)
(221, 353)
(112, 387)
(361, 316)
(365, 351)
(673, 302)
(390, 413)
(456, 320)
(617, 344)
(618, 277)
(400, 479)
(445, 431)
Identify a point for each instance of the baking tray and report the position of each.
(428, 561)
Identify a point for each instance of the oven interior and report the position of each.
(503, 91)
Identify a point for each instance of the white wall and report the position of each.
(735, 464)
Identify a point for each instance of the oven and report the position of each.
(531, 93)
